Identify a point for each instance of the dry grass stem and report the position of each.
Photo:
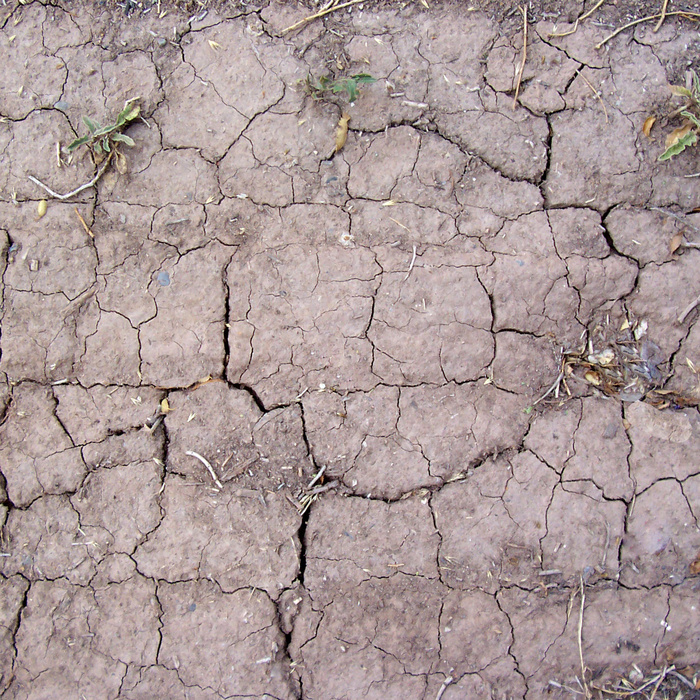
(662, 18)
(676, 216)
(586, 15)
(586, 691)
(554, 387)
(189, 453)
(688, 309)
(413, 262)
(523, 9)
(85, 226)
(443, 687)
(317, 15)
(597, 94)
(645, 19)
(78, 190)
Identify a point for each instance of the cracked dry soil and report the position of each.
(388, 315)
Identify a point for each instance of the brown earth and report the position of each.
(385, 317)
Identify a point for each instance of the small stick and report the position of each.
(413, 262)
(92, 182)
(317, 477)
(580, 643)
(662, 18)
(322, 489)
(207, 465)
(398, 223)
(688, 309)
(523, 9)
(597, 94)
(644, 19)
(322, 13)
(551, 388)
(85, 226)
(443, 687)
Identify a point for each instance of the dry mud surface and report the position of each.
(388, 315)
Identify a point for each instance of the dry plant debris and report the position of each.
(621, 363)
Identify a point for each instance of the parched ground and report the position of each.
(355, 343)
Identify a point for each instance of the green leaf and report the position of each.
(105, 144)
(123, 138)
(78, 142)
(105, 130)
(364, 79)
(98, 148)
(91, 125)
(128, 114)
(689, 115)
(690, 139)
(680, 91)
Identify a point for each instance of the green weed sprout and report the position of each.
(102, 139)
(319, 88)
(687, 134)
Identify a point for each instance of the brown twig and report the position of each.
(322, 13)
(85, 226)
(596, 93)
(684, 13)
(78, 190)
(523, 9)
(662, 17)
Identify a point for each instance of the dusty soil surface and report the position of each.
(355, 343)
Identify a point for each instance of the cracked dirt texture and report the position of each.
(388, 314)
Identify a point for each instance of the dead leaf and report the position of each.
(695, 566)
(648, 123)
(165, 406)
(121, 163)
(215, 45)
(41, 208)
(593, 378)
(676, 241)
(676, 135)
(341, 132)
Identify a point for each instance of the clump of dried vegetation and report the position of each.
(621, 362)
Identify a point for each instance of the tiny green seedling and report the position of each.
(320, 88)
(104, 139)
(687, 134)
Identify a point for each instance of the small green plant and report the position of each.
(687, 134)
(104, 139)
(319, 88)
